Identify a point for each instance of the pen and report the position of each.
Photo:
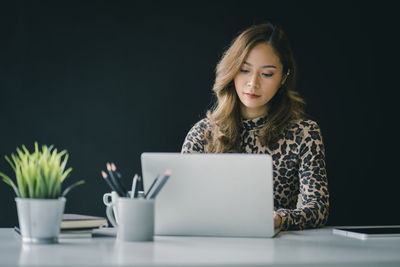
(167, 174)
(134, 183)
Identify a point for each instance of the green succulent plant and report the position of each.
(39, 174)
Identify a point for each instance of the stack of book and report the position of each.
(78, 225)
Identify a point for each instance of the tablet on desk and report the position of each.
(367, 232)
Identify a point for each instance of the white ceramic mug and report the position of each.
(108, 199)
(135, 218)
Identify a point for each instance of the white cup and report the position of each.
(135, 218)
(108, 199)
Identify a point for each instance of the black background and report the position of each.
(108, 80)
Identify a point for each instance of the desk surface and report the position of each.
(318, 247)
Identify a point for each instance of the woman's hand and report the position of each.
(277, 220)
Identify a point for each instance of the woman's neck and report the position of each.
(252, 113)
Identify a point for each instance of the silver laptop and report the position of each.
(212, 194)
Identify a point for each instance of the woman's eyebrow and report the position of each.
(265, 66)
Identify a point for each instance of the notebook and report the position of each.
(81, 221)
(212, 194)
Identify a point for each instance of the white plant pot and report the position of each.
(40, 219)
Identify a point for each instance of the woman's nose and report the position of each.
(253, 82)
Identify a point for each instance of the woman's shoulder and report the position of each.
(195, 139)
(204, 123)
(304, 129)
(200, 127)
(304, 125)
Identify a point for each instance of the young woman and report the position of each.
(259, 111)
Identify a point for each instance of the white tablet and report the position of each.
(366, 232)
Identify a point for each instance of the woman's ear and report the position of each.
(285, 76)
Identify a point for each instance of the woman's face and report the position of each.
(258, 80)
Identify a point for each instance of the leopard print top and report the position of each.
(298, 165)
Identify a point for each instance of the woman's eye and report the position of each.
(267, 74)
(244, 71)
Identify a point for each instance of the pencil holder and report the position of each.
(135, 219)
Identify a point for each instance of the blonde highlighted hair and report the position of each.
(285, 107)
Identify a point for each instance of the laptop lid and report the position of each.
(212, 194)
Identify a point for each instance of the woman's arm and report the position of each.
(313, 184)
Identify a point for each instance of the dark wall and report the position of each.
(108, 80)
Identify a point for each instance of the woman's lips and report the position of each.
(252, 96)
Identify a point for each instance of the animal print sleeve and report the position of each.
(195, 139)
(313, 183)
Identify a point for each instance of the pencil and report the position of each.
(134, 184)
(119, 180)
(17, 230)
(114, 169)
(167, 174)
(140, 184)
(109, 182)
(151, 186)
(114, 181)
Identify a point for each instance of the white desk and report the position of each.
(317, 247)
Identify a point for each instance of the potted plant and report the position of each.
(40, 203)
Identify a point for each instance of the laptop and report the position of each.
(227, 195)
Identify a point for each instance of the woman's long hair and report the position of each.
(285, 107)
